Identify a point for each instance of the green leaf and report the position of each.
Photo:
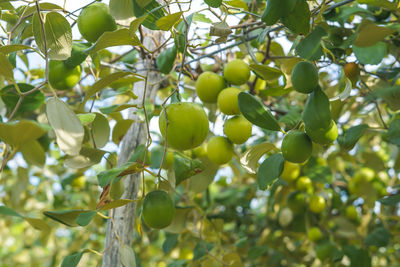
(33, 153)
(67, 127)
(310, 47)
(115, 38)
(79, 54)
(390, 200)
(298, 20)
(379, 237)
(380, 3)
(116, 204)
(72, 260)
(121, 9)
(7, 49)
(393, 134)
(371, 54)
(100, 130)
(6, 69)
(84, 218)
(152, 9)
(213, 3)
(255, 112)
(185, 167)
(116, 108)
(166, 59)
(127, 256)
(369, 33)
(29, 103)
(105, 177)
(167, 22)
(120, 129)
(4, 210)
(58, 35)
(16, 134)
(87, 118)
(201, 249)
(67, 217)
(182, 29)
(250, 158)
(317, 114)
(350, 137)
(277, 9)
(270, 170)
(87, 157)
(266, 72)
(170, 242)
(358, 257)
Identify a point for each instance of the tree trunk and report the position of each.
(124, 216)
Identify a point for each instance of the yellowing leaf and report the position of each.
(100, 130)
(67, 127)
(19, 133)
(120, 130)
(266, 72)
(369, 34)
(6, 69)
(116, 204)
(33, 153)
(237, 3)
(167, 22)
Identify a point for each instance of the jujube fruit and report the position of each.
(61, 77)
(219, 150)
(228, 101)
(237, 72)
(208, 86)
(238, 129)
(304, 77)
(158, 209)
(296, 147)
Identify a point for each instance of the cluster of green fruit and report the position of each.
(93, 21)
(297, 145)
(188, 124)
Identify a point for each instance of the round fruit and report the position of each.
(79, 182)
(323, 136)
(219, 150)
(158, 209)
(187, 125)
(317, 204)
(351, 213)
(290, 171)
(304, 77)
(237, 72)
(285, 217)
(351, 70)
(61, 77)
(303, 183)
(208, 86)
(364, 174)
(237, 129)
(95, 20)
(296, 147)
(228, 101)
(314, 234)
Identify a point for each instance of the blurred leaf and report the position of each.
(213, 3)
(200, 181)
(7, 49)
(116, 108)
(182, 29)
(201, 248)
(67, 217)
(393, 134)
(16, 134)
(270, 170)
(392, 200)
(256, 252)
(358, 257)
(105, 177)
(120, 129)
(346, 91)
(67, 127)
(250, 158)
(121, 9)
(72, 260)
(369, 34)
(116, 204)
(166, 59)
(86, 118)
(255, 112)
(6, 69)
(310, 47)
(266, 72)
(29, 103)
(298, 20)
(127, 256)
(87, 157)
(33, 153)
(4, 210)
(371, 54)
(351, 136)
(177, 225)
(100, 130)
(167, 22)
(170, 242)
(379, 237)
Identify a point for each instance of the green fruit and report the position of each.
(303, 183)
(297, 202)
(61, 77)
(219, 150)
(208, 86)
(187, 125)
(290, 171)
(323, 136)
(317, 204)
(228, 101)
(317, 113)
(117, 189)
(314, 234)
(95, 20)
(351, 213)
(304, 77)
(364, 174)
(79, 182)
(237, 72)
(237, 129)
(325, 250)
(158, 209)
(296, 147)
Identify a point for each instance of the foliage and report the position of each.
(59, 177)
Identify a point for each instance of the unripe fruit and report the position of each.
(61, 77)
(187, 125)
(237, 129)
(228, 101)
(351, 213)
(304, 77)
(314, 234)
(95, 20)
(297, 201)
(117, 189)
(303, 183)
(237, 72)
(290, 171)
(79, 182)
(317, 204)
(208, 86)
(351, 70)
(323, 136)
(158, 209)
(296, 147)
(219, 150)
(364, 174)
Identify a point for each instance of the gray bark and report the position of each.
(124, 216)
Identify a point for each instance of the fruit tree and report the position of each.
(200, 133)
